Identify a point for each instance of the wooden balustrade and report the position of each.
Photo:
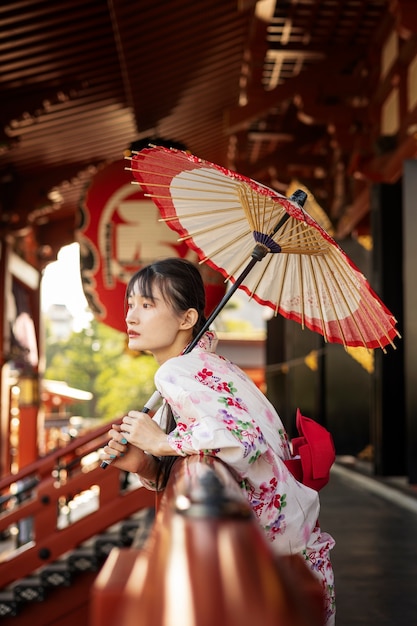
(47, 483)
(206, 562)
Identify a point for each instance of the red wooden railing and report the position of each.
(34, 497)
(206, 562)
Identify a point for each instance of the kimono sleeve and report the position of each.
(209, 420)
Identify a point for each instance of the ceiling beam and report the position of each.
(385, 169)
(318, 77)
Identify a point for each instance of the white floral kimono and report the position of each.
(220, 411)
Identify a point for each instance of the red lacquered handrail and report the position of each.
(206, 562)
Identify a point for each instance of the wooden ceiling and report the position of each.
(275, 90)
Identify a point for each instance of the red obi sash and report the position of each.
(315, 451)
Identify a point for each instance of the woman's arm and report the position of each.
(215, 411)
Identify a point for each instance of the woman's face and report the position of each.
(154, 326)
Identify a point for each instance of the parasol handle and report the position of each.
(257, 254)
(148, 406)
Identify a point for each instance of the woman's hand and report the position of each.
(141, 431)
(128, 458)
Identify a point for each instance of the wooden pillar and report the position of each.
(275, 371)
(4, 371)
(28, 420)
(388, 406)
(410, 317)
(347, 383)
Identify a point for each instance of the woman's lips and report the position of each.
(133, 333)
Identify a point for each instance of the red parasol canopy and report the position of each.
(265, 244)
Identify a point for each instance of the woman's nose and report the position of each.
(130, 317)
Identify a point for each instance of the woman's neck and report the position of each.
(175, 349)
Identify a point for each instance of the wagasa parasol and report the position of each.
(265, 244)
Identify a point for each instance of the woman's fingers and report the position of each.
(116, 446)
(117, 435)
(117, 443)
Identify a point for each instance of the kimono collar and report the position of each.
(208, 341)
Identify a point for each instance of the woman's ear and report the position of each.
(190, 319)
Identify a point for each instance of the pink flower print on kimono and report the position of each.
(207, 377)
(284, 438)
(247, 433)
(318, 559)
(269, 504)
(230, 400)
(182, 428)
(273, 504)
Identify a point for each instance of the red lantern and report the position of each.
(119, 234)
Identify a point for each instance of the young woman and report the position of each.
(211, 406)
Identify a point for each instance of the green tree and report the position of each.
(129, 387)
(96, 359)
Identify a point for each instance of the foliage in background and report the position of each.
(96, 359)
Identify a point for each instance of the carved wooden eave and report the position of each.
(310, 89)
(290, 91)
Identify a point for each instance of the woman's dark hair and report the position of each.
(181, 284)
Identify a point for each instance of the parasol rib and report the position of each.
(255, 258)
(184, 198)
(322, 316)
(171, 218)
(365, 304)
(204, 176)
(255, 211)
(279, 299)
(330, 299)
(185, 188)
(208, 229)
(253, 290)
(301, 288)
(351, 287)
